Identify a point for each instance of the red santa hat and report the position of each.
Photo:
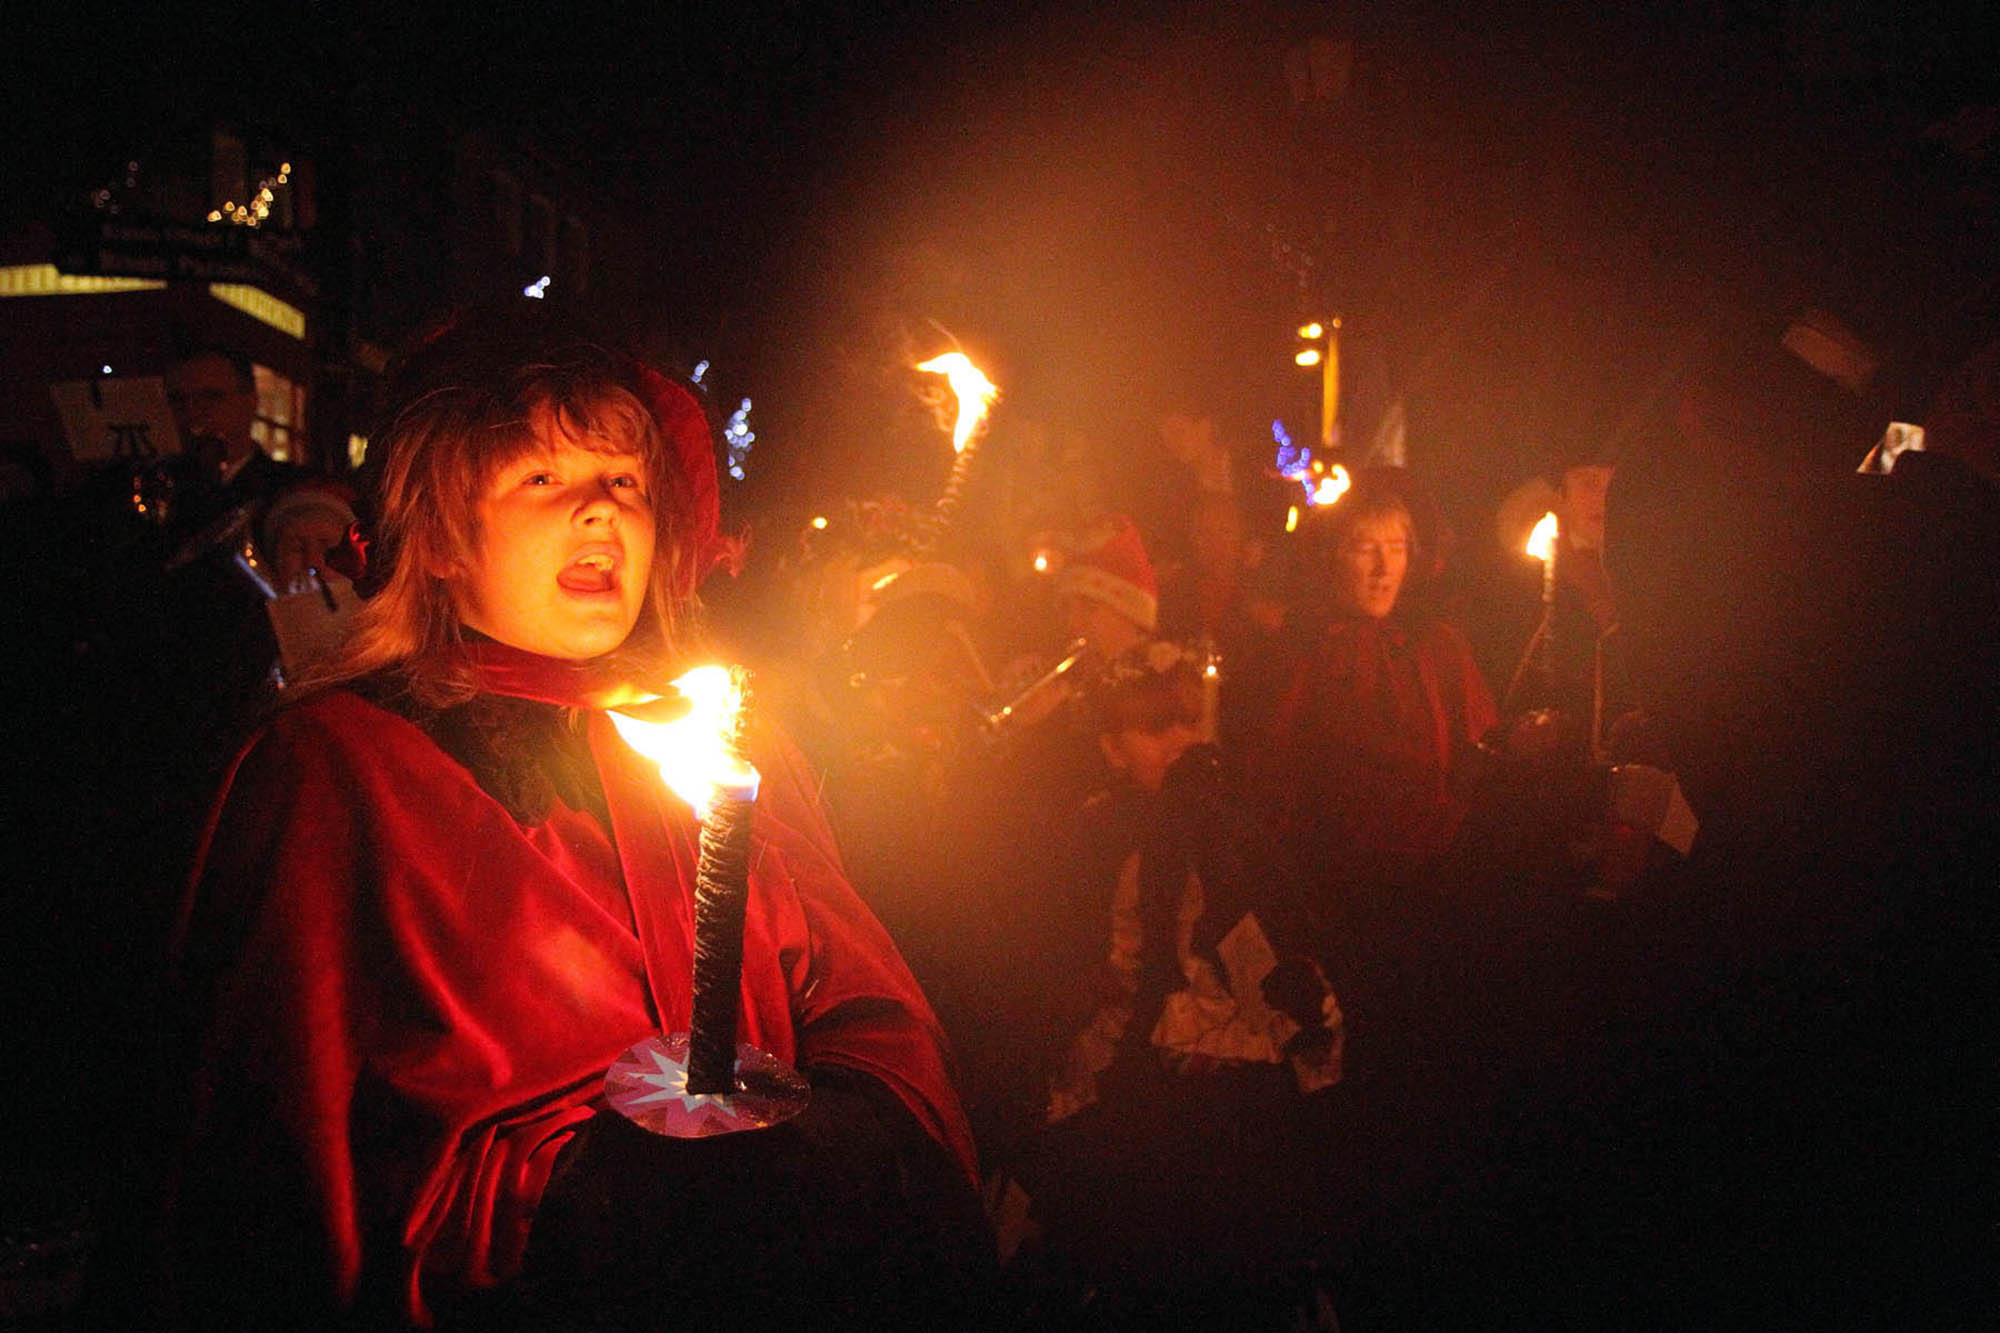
(1111, 567)
(685, 427)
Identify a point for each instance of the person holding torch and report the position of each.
(439, 897)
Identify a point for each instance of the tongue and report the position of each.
(582, 578)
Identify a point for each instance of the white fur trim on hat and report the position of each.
(1100, 585)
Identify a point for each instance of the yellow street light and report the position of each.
(1323, 351)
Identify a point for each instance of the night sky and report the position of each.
(1527, 213)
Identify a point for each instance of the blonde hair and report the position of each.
(443, 447)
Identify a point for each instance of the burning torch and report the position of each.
(1540, 651)
(975, 395)
(693, 1084)
(1542, 546)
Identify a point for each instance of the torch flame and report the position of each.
(1542, 541)
(975, 394)
(1332, 486)
(697, 752)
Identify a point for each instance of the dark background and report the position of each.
(1527, 214)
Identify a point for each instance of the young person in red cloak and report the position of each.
(439, 896)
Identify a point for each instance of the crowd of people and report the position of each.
(1156, 868)
(1269, 933)
(1331, 914)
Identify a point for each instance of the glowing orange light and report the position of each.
(1292, 519)
(1542, 541)
(1312, 330)
(1308, 357)
(975, 394)
(819, 522)
(1332, 486)
(694, 751)
(1041, 562)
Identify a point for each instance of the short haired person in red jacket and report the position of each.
(1381, 711)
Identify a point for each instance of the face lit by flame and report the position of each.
(975, 394)
(1369, 565)
(693, 751)
(563, 555)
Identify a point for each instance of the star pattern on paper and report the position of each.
(648, 1085)
(669, 1081)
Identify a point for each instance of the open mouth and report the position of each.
(594, 572)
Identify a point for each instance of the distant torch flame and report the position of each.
(1542, 541)
(975, 394)
(1332, 486)
(696, 753)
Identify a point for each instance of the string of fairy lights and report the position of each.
(737, 437)
(257, 209)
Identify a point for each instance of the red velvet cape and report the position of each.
(410, 999)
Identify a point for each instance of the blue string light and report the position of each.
(737, 435)
(1295, 463)
(1294, 460)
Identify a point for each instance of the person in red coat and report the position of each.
(439, 896)
(1381, 713)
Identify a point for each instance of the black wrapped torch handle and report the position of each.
(722, 889)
